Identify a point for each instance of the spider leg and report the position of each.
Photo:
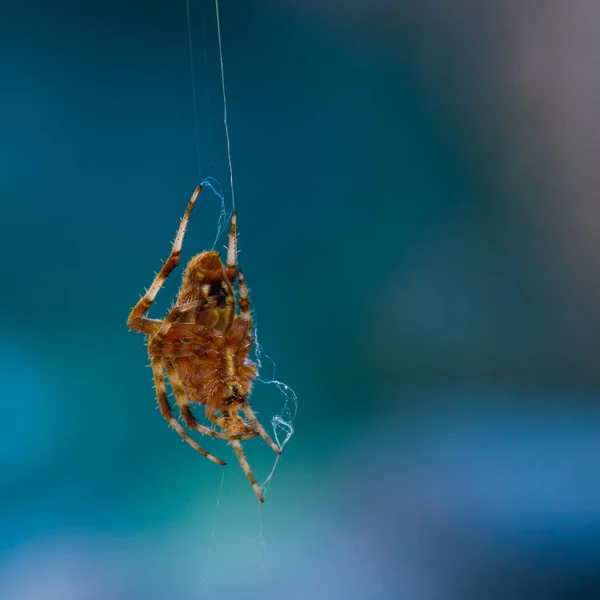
(237, 446)
(244, 302)
(167, 413)
(186, 413)
(177, 349)
(244, 298)
(157, 345)
(145, 325)
(261, 430)
(181, 332)
(217, 420)
(232, 249)
(136, 320)
(170, 319)
(226, 424)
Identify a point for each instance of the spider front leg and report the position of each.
(155, 342)
(136, 319)
(232, 249)
(167, 413)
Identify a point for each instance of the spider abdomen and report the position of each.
(214, 381)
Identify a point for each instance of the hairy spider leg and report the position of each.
(230, 301)
(232, 249)
(229, 279)
(225, 422)
(244, 302)
(182, 331)
(136, 319)
(188, 416)
(157, 346)
(249, 413)
(170, 319)
(167, 413)
(237, 446)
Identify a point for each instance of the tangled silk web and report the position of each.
(282, 422)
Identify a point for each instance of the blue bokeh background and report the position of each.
(416, 188)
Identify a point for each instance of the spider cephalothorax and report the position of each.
(203, 346)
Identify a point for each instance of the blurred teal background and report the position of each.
(417, 192)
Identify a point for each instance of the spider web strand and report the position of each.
(281, 423)
(225, 104)
(193, 78)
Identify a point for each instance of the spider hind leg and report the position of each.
(237, 446)
(249, 413)
(167, 413)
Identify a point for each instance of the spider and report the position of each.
(203, 345)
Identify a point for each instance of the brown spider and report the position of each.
(203, 346)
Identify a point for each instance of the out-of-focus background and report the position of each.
(417, 187)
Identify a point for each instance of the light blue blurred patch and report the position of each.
(31, 425)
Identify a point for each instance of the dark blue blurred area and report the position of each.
(417, 208)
